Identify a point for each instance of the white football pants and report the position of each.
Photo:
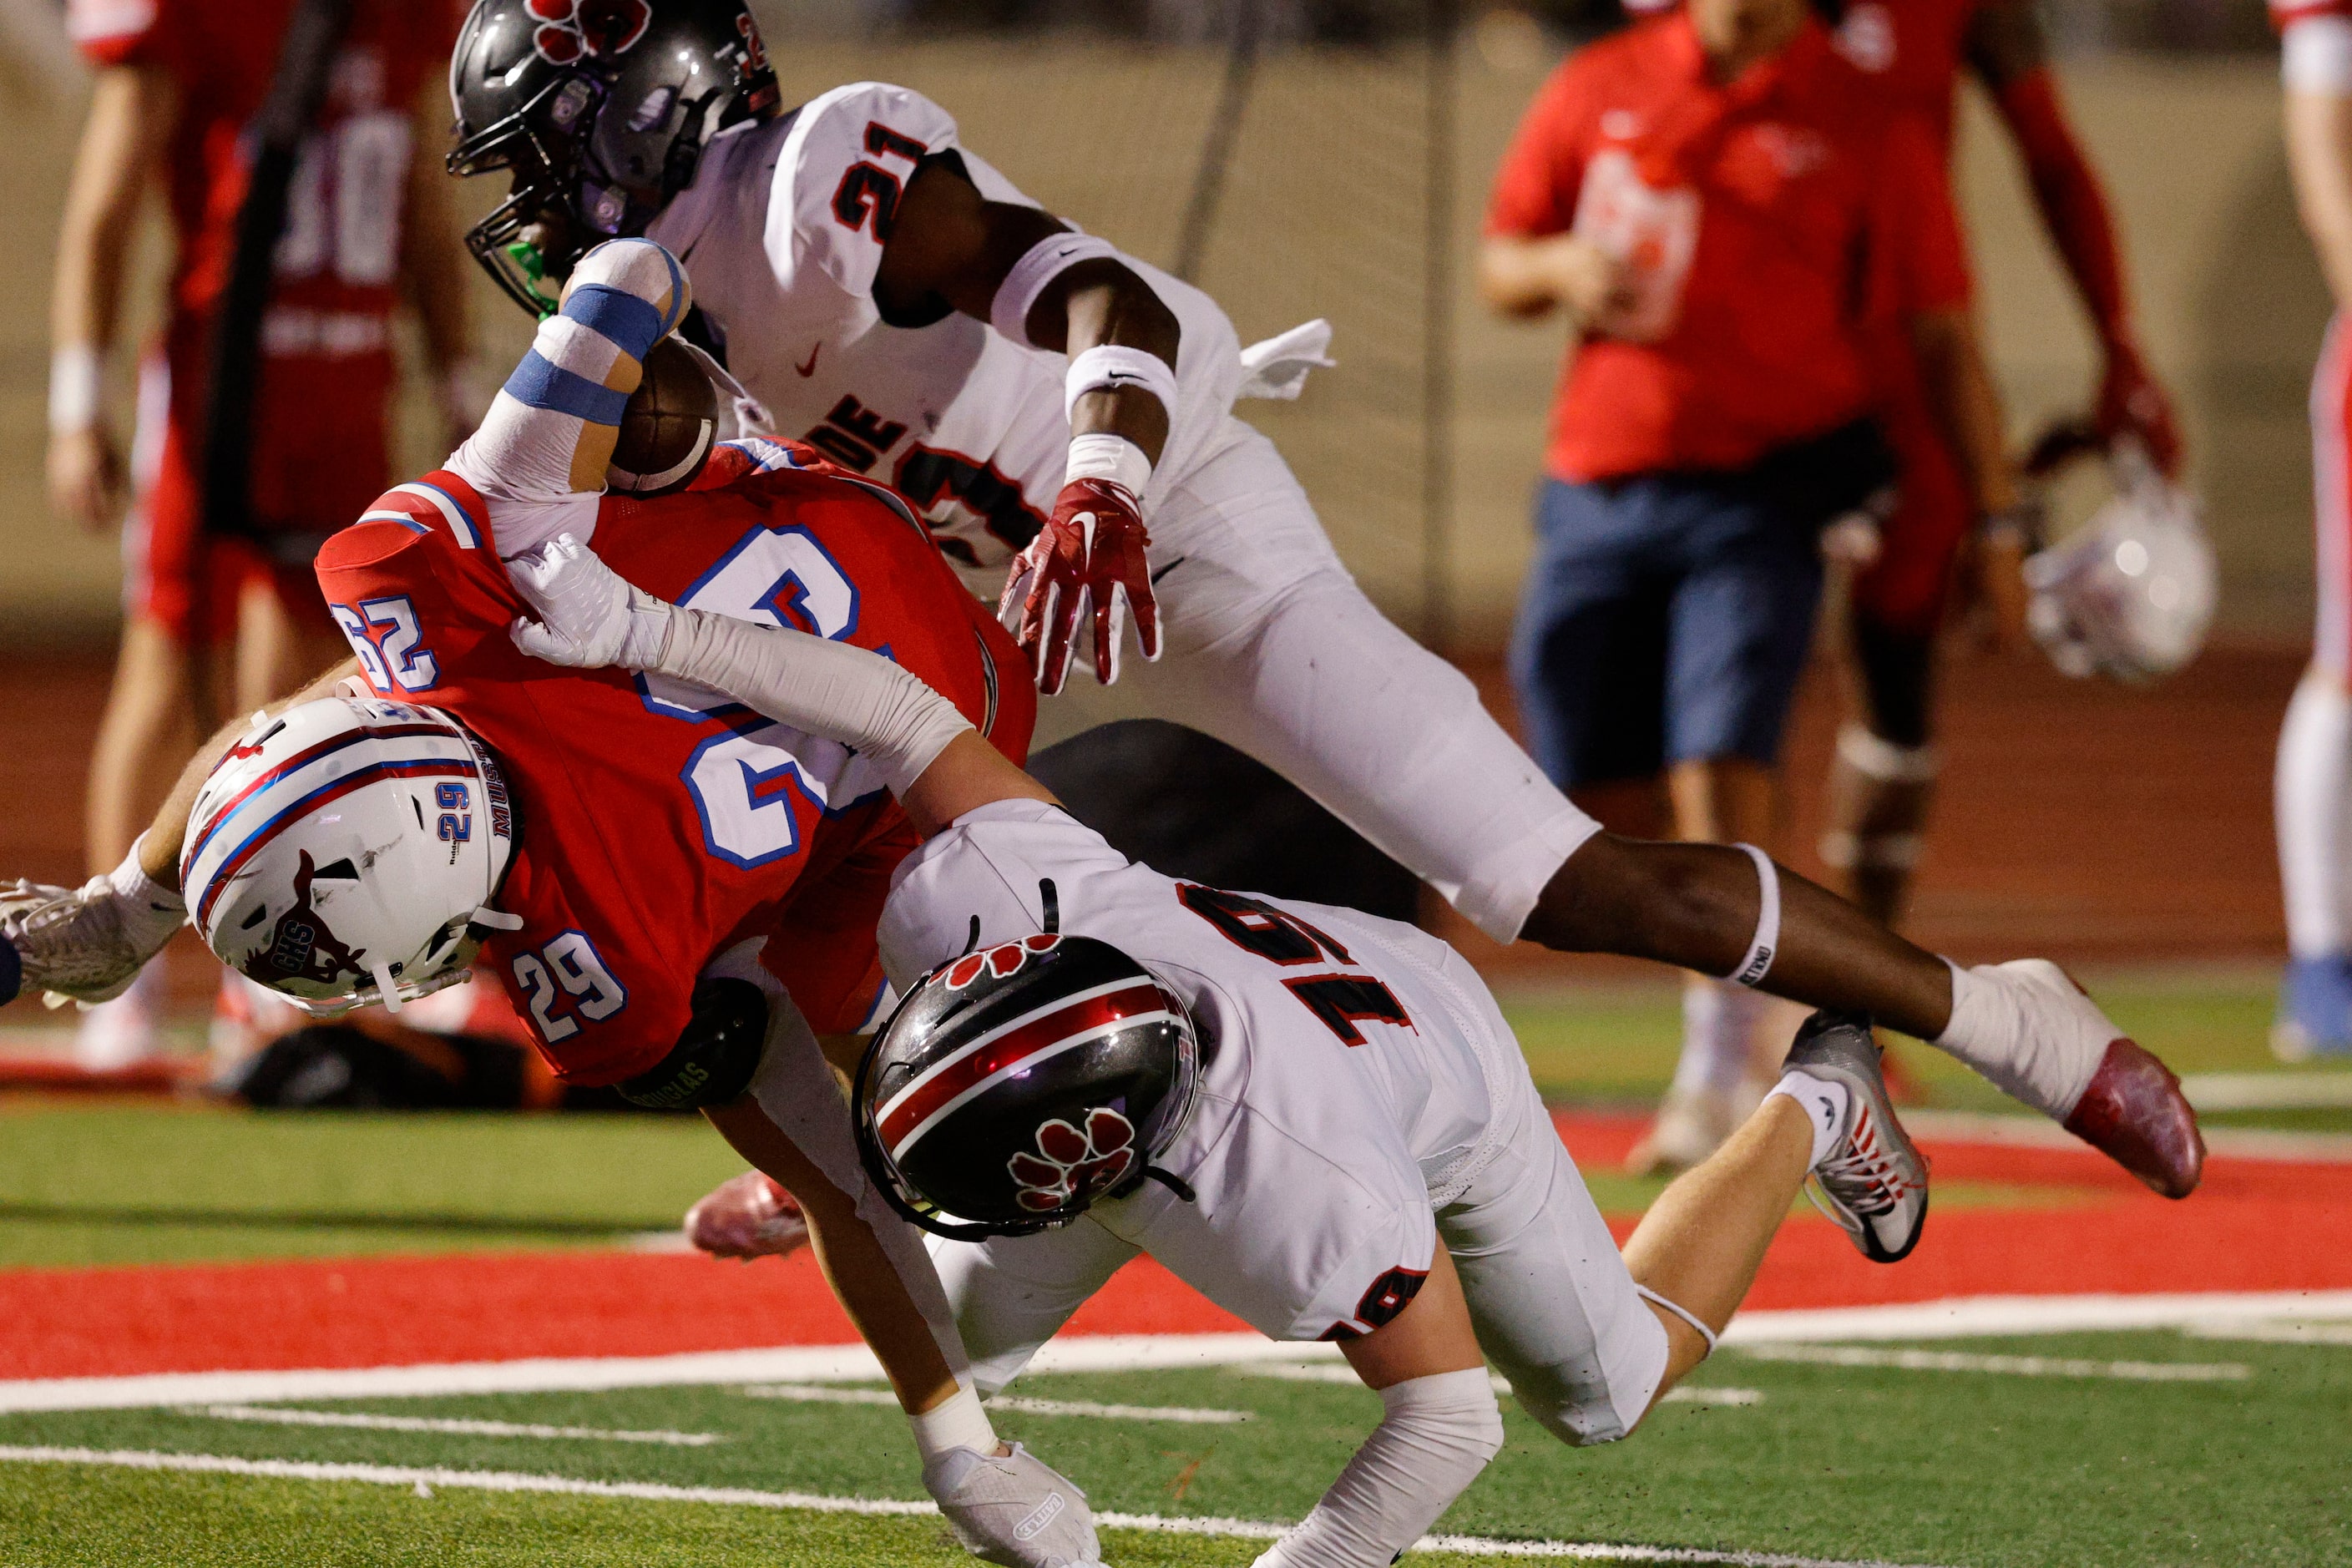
(1270, 647)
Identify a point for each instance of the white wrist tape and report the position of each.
(1439, 1433)
(883, 712)
(1679, 1310)
(1766, 943)
(956, 1422)
(1099, 455)
(151, 913)
(1045, 262)
(2315, 56)
(1112, 367)
(77, 386)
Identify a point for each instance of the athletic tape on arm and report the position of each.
(1766, 943)
(532, 458)
(1039, 265)
(883, 712)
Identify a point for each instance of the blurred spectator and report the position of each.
(368, 219)
(1728, 212)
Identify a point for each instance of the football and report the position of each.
(668, 426)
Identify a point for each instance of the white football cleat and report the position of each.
(1013, 1509)
(85, 943)
(746, 1217)
(1871, 1181)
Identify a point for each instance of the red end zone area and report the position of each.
(2077, 1227)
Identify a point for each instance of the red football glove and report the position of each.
(2131, 403)
(1089, 557)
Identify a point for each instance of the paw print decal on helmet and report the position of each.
(1003, 961)
(568, 29)
(1070, 1164)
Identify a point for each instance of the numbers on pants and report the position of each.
(565, 981)
(1339, 1002)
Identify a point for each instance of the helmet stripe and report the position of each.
(1044, 1010)
(1064, 1023)
(299, 761)
(221, 877)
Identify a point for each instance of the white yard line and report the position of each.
(453, 1426)
(2013, 1365)
(1315, 1372)
(2273, 1330)
(1963, 1317)
(825, 1393)
(2268, 1091)
(423, 1480)
(2038, 1133)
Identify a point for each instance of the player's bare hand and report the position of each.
(1599, 288)
(589, 616)
(2132, 404)
(1088, 562)
(85, 475)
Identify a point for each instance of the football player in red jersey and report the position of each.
(367, 224)
(679, 892)
(1886, 767)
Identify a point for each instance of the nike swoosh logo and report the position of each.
(808, 366)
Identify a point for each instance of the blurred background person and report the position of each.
(2314, 795)
(1952, 524)
(1696, 191)
(222, 608)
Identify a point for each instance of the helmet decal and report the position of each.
(1070, 1164)
(302, 947)
(570, 28)
(1003, 962)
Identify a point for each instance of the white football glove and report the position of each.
(1013, 1509)
(86, 944)
(588, 617)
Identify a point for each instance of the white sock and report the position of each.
(956, 1422)
(2313, 798)
(1719, 1030)
(1824, 1100)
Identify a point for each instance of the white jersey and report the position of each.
(1356, 1074)
(780, 235)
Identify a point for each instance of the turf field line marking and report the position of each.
(2038, 1133)
(822, 1394)
(2272, 1331)
(423, 1479)
(2267, 1090)
(1990, 1317)
(451, 1425)
(2013, 1365)
(1310, 1372)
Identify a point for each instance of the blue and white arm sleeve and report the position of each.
(539, 456)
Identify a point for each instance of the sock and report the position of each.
(2313, 797)
(1718, 1025)
(958, 1422)
(1824, 1100)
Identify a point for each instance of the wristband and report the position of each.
(1099, 455)
(1109, 367)
(77, 377)
(1757, 963)
(1040, 265)
(956, 1422)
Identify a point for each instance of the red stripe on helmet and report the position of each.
(930, 1095)
(449, 767)
(303, 759)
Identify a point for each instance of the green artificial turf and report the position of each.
(1984, 1469)
(140, 1183)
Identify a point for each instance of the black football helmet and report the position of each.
(1016, 1085)
(601, 109)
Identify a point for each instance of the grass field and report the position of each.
(2115, 1447)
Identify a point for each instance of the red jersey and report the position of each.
(659, 822)
(1768, 225)
(319, 413)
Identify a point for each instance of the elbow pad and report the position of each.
(1439, 1433)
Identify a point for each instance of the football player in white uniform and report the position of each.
(1289, 1105)
(898, 304)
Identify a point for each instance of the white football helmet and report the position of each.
(2131, 593)
(346, 850)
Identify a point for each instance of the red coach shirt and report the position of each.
(1769, 224)
(658, 823)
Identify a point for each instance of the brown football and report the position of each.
(667, 428)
